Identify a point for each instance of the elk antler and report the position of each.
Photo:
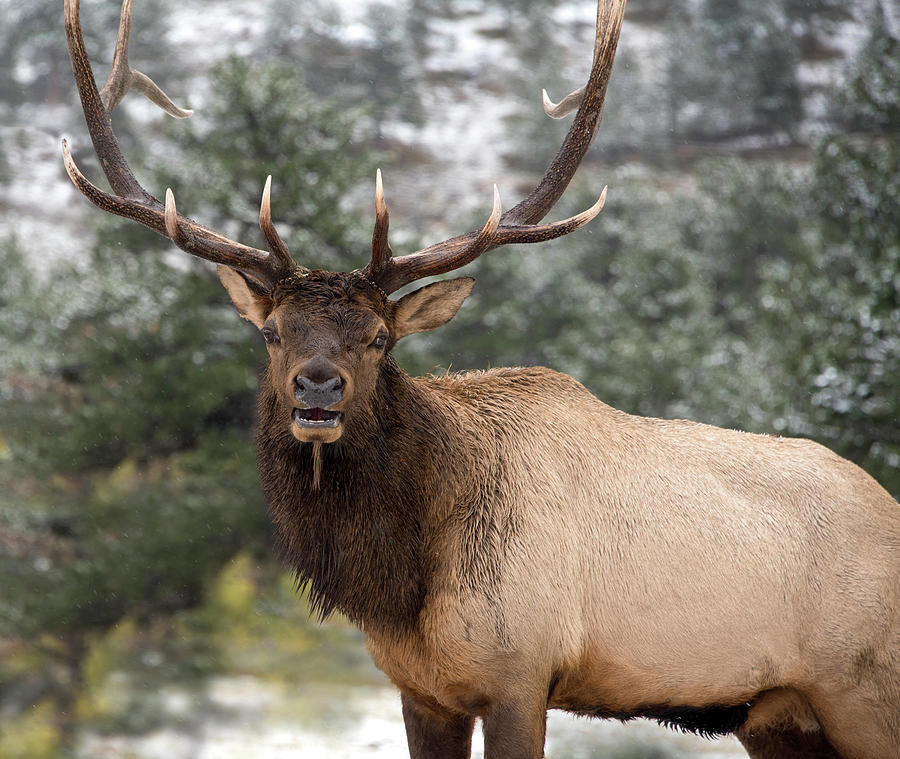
(131, 200)
(520, 223)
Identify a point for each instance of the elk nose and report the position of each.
(318, 386)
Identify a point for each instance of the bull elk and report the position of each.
(507, 542)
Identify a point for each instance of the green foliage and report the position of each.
(34, 735)
(139, 540)
(254, 618)
(22, 331)
(390, 70)
(857, 404)
(632, 303)
(128, 357)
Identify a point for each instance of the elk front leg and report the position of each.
(433, 733)
(516, 729)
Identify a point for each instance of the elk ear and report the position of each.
(431, 306)
(251, 303)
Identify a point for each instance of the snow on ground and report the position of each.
(248, 718)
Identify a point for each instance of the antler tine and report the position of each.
(276, 245)
(381, 248)
(559, 173)
(485, 236)
(106, 145)
(123, 78)
(573, 100)
(128, 198)
(204, 243)
(119, 79)
(520, 224)
(564, 107)
(394, 273)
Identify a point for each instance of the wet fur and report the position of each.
(356, 541)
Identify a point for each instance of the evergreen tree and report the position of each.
(871, 101)
(266, 121)
(735, 60)
(375, 72)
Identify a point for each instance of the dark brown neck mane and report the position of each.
(356, 542)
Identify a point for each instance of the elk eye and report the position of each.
(380, 341)
(270, 335)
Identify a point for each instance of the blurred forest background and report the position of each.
(745, 272)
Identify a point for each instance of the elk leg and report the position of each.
(788, 743)
(782, 725)
(433, 733)
(515, 729)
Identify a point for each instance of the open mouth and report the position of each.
(316, 417)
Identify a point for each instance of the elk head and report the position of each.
(328, 333)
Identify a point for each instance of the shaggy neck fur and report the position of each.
(356, 541)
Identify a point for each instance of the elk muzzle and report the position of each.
(317, 386)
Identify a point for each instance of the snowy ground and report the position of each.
(246, 718)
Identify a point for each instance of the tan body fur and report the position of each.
(642, 562)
